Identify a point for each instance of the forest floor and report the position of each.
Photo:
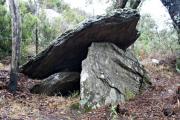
(160, 102)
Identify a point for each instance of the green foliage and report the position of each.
(75, 94)
(75, 106)
(86, 107)
(72, 16)
(29, 21)
(48, 29)
(28, 24)
(178, 65)
(2, 2)
(81, 106)
(152, 40)
(129, 94)
(57, 5)
(113, 112)
(5, 31)
(51, 29)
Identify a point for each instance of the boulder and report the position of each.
(67, 52)
(63, 83)
(110, 75)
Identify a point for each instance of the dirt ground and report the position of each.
(160, 102)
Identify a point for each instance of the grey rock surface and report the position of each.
(63, 83)
(68, 51)
(110, 75)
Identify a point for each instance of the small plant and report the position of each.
(85, 106)
(75, 106)
(129, 94)
(153, 40)
(113, 112)
(74, 94)
(178, 65)
(82, 106)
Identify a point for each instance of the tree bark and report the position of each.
(16, 40)
(127, 3)
(37, 39)
(120, 4)
(173, 7)
(134, 3)
(36, 30)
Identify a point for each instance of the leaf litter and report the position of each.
(160, 102)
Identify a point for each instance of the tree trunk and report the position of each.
(37, 40)
(36, 31)
(178, 31)
(16, 39)
(173, 7)
(120, 4)
(134, 4)
(127, 3)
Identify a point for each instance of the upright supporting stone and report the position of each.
(110, 75)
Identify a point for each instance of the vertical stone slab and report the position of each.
(110, 75)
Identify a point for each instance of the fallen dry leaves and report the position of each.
(160, 102)
(24, 105)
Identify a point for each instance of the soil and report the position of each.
(160, 102)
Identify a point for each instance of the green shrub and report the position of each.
(153, 40)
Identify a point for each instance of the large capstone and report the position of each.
(68, 51)
(110, 75)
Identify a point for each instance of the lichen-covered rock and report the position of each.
(110, 75)
(63, 83)
(68, 51)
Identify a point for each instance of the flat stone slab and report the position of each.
(68, 51)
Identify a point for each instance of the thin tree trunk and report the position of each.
(37, 39)
(120, 4)
(178, 32)
(36, 31)
(134, 4)
(173, 7)
(129, 4)
(16, 40)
